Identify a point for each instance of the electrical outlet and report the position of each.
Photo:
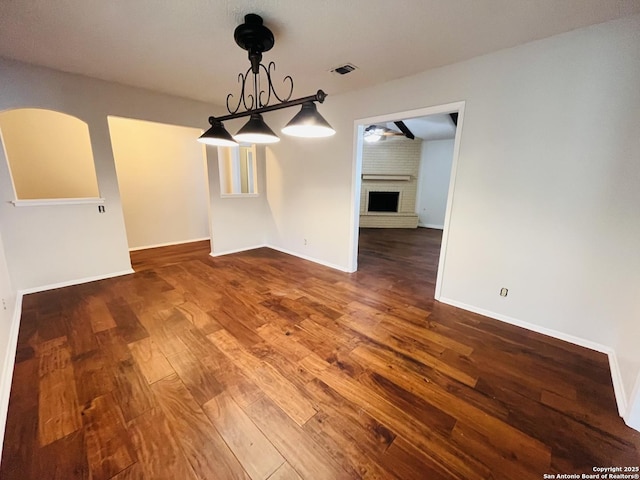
(305, 241)
(504, 292)
(4, 304)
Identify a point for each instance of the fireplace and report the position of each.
(389, 187)
(383, 201)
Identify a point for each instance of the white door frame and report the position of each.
(359, 126)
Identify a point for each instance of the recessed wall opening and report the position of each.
(162, 177)
(383, 201)
(238, 171)
(56, 163)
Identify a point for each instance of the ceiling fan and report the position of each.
(375, 133)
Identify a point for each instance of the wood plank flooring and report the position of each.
(259, 365)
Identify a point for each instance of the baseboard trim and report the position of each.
(310, 259)
(236, 250)
(285, 251)
(632, 417)
(431, 225)
(77, 281)
(618, 384)
(9, 363)
(616, 378)
(168, 244)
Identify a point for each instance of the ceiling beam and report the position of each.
(404, 129)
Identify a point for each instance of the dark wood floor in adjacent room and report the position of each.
(261, 365)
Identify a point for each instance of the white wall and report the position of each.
(433, 182)
(238, 222)
(546, 195)
(633, 414)
(309, 191)
(8, 336)
(163, 182)
(7, 301)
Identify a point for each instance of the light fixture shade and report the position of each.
(308, 123)
(217, 135)
(256, 131)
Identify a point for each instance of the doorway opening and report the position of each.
(417, 207)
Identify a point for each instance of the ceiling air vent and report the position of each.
(344, 69)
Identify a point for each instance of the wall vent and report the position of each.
(344, 69)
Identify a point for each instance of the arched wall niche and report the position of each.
(49, 155)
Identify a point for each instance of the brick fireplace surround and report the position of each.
(391, 165)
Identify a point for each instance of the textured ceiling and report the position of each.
(186, 47)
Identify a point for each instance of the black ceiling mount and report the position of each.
(255, 38)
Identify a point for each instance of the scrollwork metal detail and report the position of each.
(259, 97)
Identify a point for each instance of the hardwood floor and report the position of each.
(259, 365)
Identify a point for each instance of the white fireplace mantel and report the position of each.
(386, 177)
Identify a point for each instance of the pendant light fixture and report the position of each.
(255, 38)
(256, 131)
(217, 135)
(308, 123)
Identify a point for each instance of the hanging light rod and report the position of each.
(255, 38)
(318, 97)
